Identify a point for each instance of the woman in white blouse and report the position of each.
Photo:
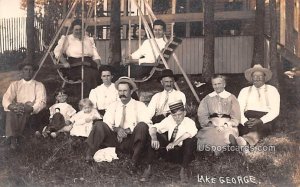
(105, 94)
(69, 51)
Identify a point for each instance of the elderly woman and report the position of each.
(219, 116)
(69, 51)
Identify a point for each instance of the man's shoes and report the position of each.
(146, 175)
(183, 175)
(14, 143)
(133, 168)
(89, 157)
(5, 142)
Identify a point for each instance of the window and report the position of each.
(233, 5)
(161, 7)
(228, 28)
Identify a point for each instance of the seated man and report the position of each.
(173, 137)
(158, 107)
(259, 105)
(148, 53)
(125, 125)
(22, 99)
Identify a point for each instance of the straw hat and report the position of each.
(258, 67)
(126, 80)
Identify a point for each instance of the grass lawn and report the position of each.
(55, 162)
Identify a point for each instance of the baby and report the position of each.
(82, 122)
(60, 112)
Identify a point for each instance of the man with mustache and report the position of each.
(259, 105)
(125, 125)
(158, 107)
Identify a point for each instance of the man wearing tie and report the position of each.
(259, 105)
(125, 125)
(174, 139)
(158, 107)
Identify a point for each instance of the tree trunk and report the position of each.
(30, 30)
(259, 46)
(115, 35)
(209, 40)
(273, 43)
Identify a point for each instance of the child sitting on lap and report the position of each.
(82, 122)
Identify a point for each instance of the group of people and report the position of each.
(110, 117)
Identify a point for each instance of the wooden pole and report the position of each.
(82, 46)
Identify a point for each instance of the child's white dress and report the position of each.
(80, 126)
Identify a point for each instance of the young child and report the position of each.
(60, 112)
(82, 122)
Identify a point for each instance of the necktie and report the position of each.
(259, 96)
(123, 117)
(174, 134)
(164, 104)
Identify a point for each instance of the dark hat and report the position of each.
(26, 63)
(126, 80)
(167, 73)
(176, 105)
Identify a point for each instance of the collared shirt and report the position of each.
(157, 101)
(168, 125)
(145, 54)
(222, 103)
(264, 99)
(73, 47)
(64, 108)
(23, 91)
(135, 113)
(102, 96)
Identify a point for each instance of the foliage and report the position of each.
(9, 59)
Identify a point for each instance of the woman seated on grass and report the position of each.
(219, 115)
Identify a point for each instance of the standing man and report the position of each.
(22, 99)
(259, 104)
(158, 107)
(125, 125)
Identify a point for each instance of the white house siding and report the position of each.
(232, 54)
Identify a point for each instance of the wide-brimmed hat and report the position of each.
(167, 73)
(258, 67)
(25, 63)
(126, 80)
